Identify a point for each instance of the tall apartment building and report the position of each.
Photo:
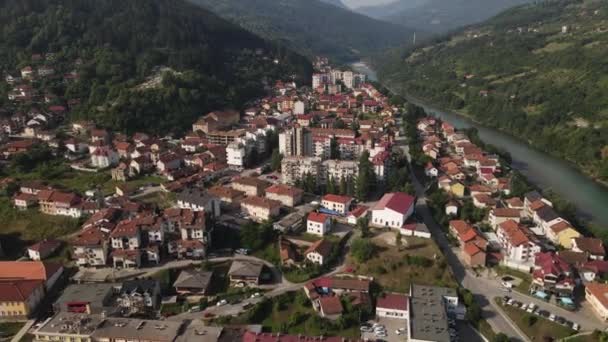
(296, 167)
(296, 141)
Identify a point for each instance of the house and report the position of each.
(288, 251)
(552, 274)
(592, 247)
(126, 258)
(168, 161)
(199, 200)
(43, 249)
(104, 157)
(330, 307)
(90, 248)
(457, 189)
(393, 305)
(318, 223)
(289, 196)
(393, 210)
(593, 270)
(319, 252)
(19, 298)
(473, 255)
(190, 249)
(596, 294)
(250, 186)
(431, 171)
(482, 200)
(226, 194)
(545, 217)
(562, 233)
(354, 215)
(519, 245)
(245, 272)
(336, 203)
(216, 120)
(47, 272)
(451, 208)
(24, 200)
(127, 235)
(139, 296)
(260, 208)
(193, 282)
(500, 215)
(60, 203)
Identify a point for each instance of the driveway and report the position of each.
(391, 325)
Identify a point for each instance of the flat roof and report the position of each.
(94, 294)
(138, 329)
(70, 324)
(198, 331)
(429, 319)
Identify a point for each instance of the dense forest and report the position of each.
(312, 27)
(116, 47)
(538, 72)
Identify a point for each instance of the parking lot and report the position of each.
(534, 309)
(391, 325)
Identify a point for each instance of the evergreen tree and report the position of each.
(331, 185)
(366, 179)
(334, 149)
(275, 160)
(343, 186)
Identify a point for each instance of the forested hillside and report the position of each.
(539, 72)
(439, 16)
(115, 46)
(312, 27)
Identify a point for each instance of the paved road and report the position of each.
(147, 191)
(484, 294)
(23, 330)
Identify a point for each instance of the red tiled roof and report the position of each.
(600, 292)
(322, 247)
(593, 246)
(282, 189)
(358, 211)
(471, 249)
(28, 270)
(506, 212)
(45, 246)
(18, 290)
(337, 198)
(331, 305)
(317, 217)
(396, 201)
(393, 301)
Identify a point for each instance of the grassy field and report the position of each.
(535, 327)
(418, 260)
(162, 199)
(526, 278)
(593, 337)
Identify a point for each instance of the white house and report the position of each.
(393, 305)
(393, 210)
(451, 208)
(319, 252)
(360, 211)
(318, 223)
(104, 157)
(518, 243)
(337, 203)
(42, 249)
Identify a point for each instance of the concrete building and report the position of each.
(260, 208)
(318, 224)
(236, 154)
(337, 170)
(393, 305)
(295, 141)
(251, 186)
(336, 203)
(19, 298)
(429, 309)
(289, 196)
(319, 252)
(393, 210)
(296, 167)
(596, 294)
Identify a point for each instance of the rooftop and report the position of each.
(428, 313)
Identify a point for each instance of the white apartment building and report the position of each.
(296, 167)
(236, 154)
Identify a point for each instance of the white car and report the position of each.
(552, 317)
(576, 327)
(222, 302)
(400, 331)
(256, 295)
(531, 308)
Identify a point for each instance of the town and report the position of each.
(336, 211)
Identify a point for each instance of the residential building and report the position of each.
(329, 307)
(92, 298)
(519, 244)
(319, 252)
(216, 120)
(393, 210)
(226, 194)
(90, 248)
(260, 208)
(318, 223)
(552, 274)
(592, 247)
(245, 272)
(393, 305)
(270, 337)
(19, 298)
(43, 249)
(139, 296)
(60, 203)
(193, 282)
(295, 168)
(336, 203)
(596, 294)
(562, 233)
(126, 235)
(199, 200)
(137, 330)
(251, 186)
(190, 249)
(104, 157)
(500, 215)
(357, 213)
(295, 141)
(236, 154)
(289, 196)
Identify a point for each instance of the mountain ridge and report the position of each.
(534, 71)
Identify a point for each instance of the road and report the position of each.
(147, 191)
(483, 293)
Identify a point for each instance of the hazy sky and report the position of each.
(359, 3)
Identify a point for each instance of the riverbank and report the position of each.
(544, 170)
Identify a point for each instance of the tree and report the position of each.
(363, 226)
(343, 186)
(331, 185)
(501, 337)
(366, 179)
(275, 160)
(398, 240)
(362, 250)
(334, 148)
(310, 183)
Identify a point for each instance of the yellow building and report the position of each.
(562, 234)
(19, 298)
(457, 189)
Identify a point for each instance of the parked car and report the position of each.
(552, 317)
(576, 327)
(543, 313)
(221, 302)
(256, 295)
(531, 308)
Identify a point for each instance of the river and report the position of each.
(547, 172)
